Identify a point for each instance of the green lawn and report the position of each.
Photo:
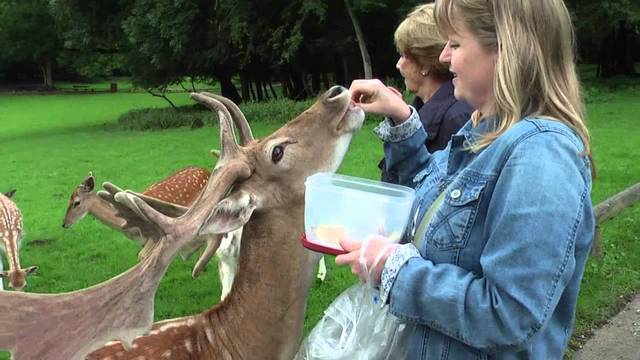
(50, 142)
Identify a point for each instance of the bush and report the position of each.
(278, 111)
(165, 118)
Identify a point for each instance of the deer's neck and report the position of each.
(271, 287)
(101, 210)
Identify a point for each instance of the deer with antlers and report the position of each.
(11, 232)
(256, 184)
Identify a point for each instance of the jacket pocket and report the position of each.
(454, 219)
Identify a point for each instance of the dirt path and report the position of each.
(619, 339)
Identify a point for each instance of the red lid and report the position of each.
(321, 248)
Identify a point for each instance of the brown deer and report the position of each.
(177, 192)
(11, 232)
(258, 185)
(181, 188)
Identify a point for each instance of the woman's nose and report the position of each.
(445, 55)
(398, 63)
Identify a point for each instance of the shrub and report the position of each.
(278, 111)
(164, 118)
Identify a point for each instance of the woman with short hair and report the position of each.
(419, 45)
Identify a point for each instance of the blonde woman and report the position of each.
(419, 45)
(504, 220)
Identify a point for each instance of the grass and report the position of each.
(50, 142)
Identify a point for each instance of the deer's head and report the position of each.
(263, 174)
(78, 202)
(18, 278)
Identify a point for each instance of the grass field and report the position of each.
(49, 143)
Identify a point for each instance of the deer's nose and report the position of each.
(335, 91)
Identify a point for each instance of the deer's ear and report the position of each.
(10, 194)
(30, 270)
(89, 183)
(230, 214)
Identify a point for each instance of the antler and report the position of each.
(246, 136)
(231, 167)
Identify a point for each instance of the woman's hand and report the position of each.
(367, 258)
(375, 97)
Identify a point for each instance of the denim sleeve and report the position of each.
(404, 150)
(535, 212)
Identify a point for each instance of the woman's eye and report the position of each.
(276, 153)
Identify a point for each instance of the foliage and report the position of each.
(165, 118)
(28, 34)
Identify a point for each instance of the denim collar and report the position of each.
(469, 135)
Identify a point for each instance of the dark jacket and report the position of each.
(442, 116)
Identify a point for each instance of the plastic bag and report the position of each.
(354, 327)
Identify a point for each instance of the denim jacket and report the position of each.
(498, 272)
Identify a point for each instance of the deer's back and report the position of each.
(182, 187)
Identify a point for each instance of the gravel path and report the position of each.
(619, 339)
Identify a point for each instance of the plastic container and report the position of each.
(339, 206)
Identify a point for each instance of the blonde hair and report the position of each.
(535, 70)
(418, 39)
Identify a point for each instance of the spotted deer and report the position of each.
(11, 232)
(179, 190)
(257, 185)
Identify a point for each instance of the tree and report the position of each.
(366, 59)
(172, 39)
(93, 43)
(28, 34)
(612, 42)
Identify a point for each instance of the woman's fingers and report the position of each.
(350, 245)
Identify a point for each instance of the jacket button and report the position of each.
(455, 194)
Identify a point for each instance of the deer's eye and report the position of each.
(277, 153)
(76, 204)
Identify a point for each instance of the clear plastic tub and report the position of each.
(339, 206)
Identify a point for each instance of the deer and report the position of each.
(178, 191)
(175, 193)
(181, 188)
(257, 185)
(11, 232)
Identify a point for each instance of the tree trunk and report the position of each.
(325, 80)
(47, 74)
(226, 86)
(345, 70)
(244, 81)
(366, 60)
(259, 90)
(273, 91)
(315, 82)
(616, 52)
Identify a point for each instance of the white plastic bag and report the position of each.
(354, 327)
